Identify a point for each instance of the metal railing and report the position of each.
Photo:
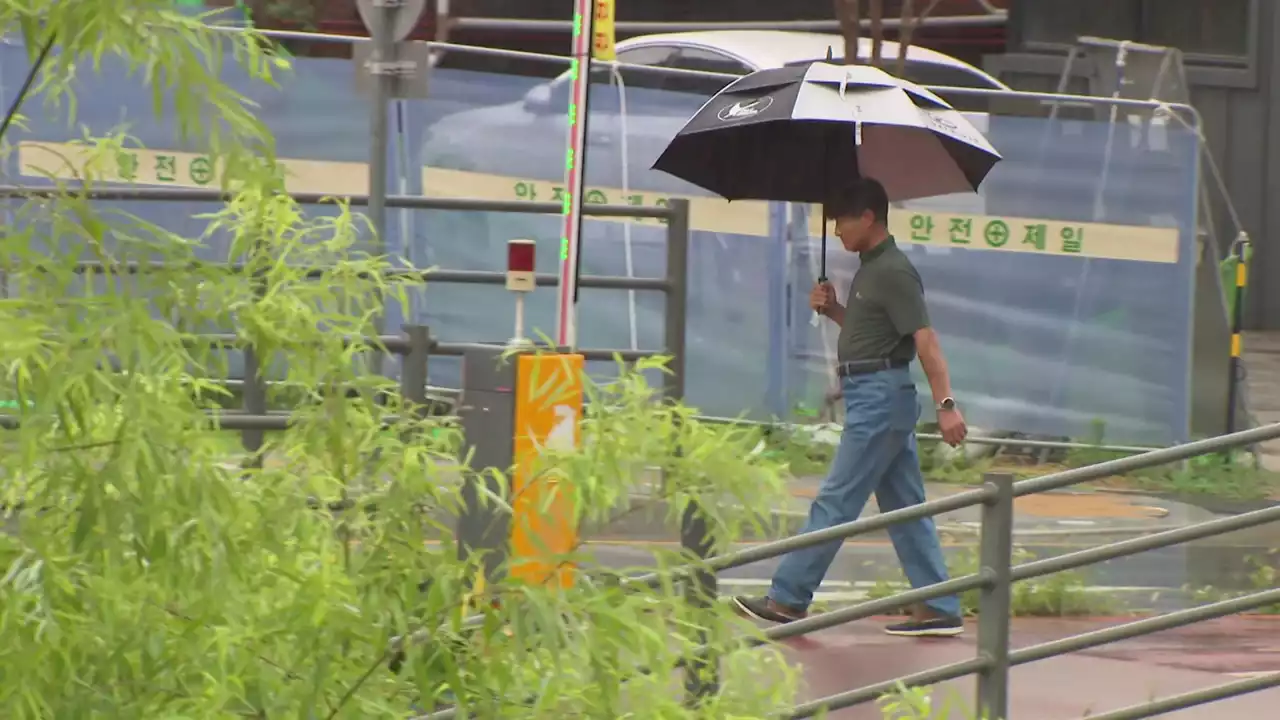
(997, 574)
(254, 418)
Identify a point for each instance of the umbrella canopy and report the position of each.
(798, 134)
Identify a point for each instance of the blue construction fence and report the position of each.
(1063, 292)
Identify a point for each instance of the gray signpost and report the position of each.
(389, 22)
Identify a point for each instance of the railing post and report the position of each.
(254, 402)
(254, 397)
(413, 368)
(674, 332)
(996, 549)
(701, 675)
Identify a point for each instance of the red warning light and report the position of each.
(521, 259)
(521, 256)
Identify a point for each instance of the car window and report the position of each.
(655, 56)
(705, 61)
(647, 55)
(927, 73)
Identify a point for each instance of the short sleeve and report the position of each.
(903, 297)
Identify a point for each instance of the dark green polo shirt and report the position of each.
(884, 308)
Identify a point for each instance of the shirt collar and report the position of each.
(877, 251)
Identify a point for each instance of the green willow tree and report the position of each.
(147, 571)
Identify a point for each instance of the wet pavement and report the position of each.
(1090, 682)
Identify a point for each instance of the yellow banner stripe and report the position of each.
(1242, 274)
(1235, 345)
(172, 168)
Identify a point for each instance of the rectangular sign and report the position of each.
(66, 161)
(604, 44)
(1029, 235)
(410, 63)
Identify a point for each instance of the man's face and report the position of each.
(854, 231)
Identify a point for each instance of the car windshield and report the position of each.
(939, 75)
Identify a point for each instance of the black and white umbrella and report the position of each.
(798, 134)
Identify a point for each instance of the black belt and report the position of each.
(864, 367)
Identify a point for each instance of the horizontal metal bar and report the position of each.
(1134, 546)
(411, 202)
(634, 26)
(1168, 621)
(396, 344)
(433, 392)
(230, 420)
(870, 693)
(979, 440)
(1164, 456)
(235, 421)
(465, 277)
(1192, 699)
(460, 349)
(485, 277)
(1042, 444)
(272, 421)
(867, 609)
(1126, 45)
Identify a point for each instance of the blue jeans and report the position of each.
(877, 453)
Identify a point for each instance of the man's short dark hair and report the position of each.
(858, 197)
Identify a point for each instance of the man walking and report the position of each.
(883, 328)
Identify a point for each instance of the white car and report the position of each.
(520, 138)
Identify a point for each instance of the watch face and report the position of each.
(947, 404)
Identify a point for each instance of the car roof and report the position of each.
(775, 48)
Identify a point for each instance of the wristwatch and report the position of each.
(947, 405)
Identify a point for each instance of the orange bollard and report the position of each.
(548, 414)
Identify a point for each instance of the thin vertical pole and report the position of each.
(677, 298)
(996, 550)
(382, 53)
(254, 402)
(1237, 324)
(701, 678)
(575, 177)
(413, 373)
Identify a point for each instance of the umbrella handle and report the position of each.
(822, 263)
